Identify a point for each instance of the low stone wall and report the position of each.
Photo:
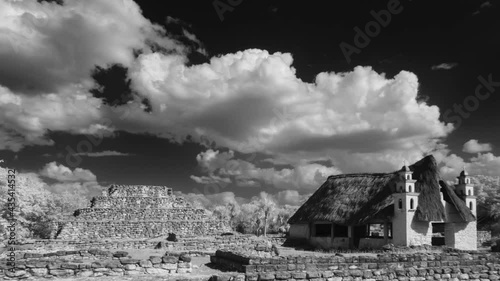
(483, 273)
(89, 230)
(250, 245)
(73, 264)
(82, 254)
(382, 267)
(207, 244)
(139, 202)
(134, 214)
(56, 244)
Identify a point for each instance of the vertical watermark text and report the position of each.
(11, 227)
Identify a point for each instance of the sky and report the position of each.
(225, 99)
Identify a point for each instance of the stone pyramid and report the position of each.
(136, 212)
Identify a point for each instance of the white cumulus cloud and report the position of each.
(25, 119)
(252, 101)
(248, 101)
(48, 52)
(290, 197)
(224, 168)
(473, 146)
(51, 45)
(486, 164)
(62, 173)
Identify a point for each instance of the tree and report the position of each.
(227, 212)
(487, 190)
(31, 200)
(283, 213)
(247, 219)
(267, 206)
(36, 207)
(222, 212)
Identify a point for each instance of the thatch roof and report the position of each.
(351, 199)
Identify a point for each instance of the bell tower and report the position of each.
(463, 234)
(405, 203)
(465, 190)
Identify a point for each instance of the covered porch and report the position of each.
(327, 235)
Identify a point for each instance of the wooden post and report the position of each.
(386, 232)
(333, 231)
(350, 235)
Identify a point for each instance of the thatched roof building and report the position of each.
(359, 199)
(351, 199)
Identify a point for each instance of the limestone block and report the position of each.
(133, 272)
(184, 265)
(85, 273)
(114, 273)
(16, 274)
(152, 270)
(169, 259)
(169, 266)
(130, 267)
(155, 259)
(38, 271)
(129, 261)
(103, 269)
(61, 272)
(283, 275)
(69, 265)
(266, 276)
(299, 275)
(145, 263)
(183, 270)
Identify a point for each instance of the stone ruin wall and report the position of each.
(139, 202)
(402, 267)
(116, 190)
(128, 214)
(135, 212)
(92, 263)
(137, 229)
(191, 245)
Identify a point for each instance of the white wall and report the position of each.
(399, 222)
(461, 235)
(419, 233)
(407, 231)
